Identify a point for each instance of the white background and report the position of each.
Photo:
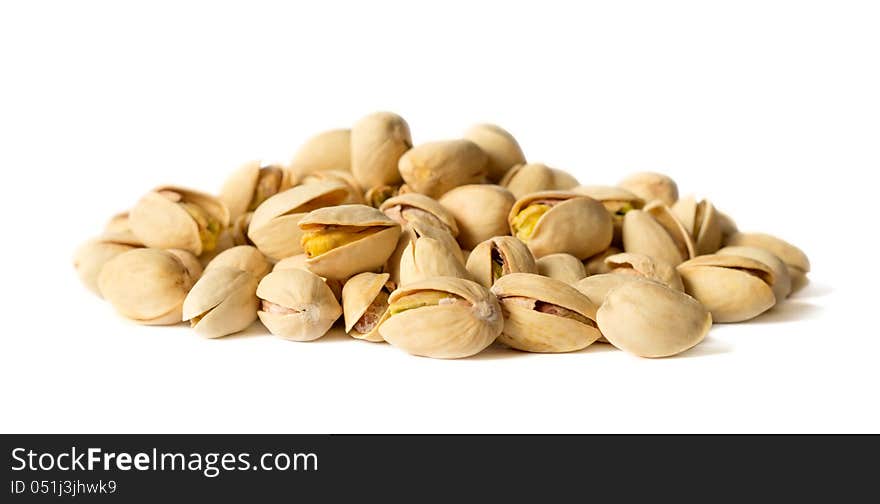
(772, 109)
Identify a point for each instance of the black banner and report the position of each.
(285, 468)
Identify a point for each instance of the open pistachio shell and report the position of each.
(414, 206)
(222, 302)
(555, 221)
(444, 318)
(528, 178)
(794, 258)
(174, 217)
(434, 168)
(148, 286)
(355, 192)
(644, 266)
(595, 265)
(274, 227)
(328, 150)
(427, 257)
(563, 267)
(244, 258)
(480, 211)
(651, 186)
(90, 258)
(733, 288)
(700, 220)
(365, 305)
(648, 319)
(656, 232)
(345, 240)
(297, 305)
(497, 257)
(377, 143)
(543, 314)
(502, 149)
(782, 281)
(417, 228)
(251, 185)
(617, 201)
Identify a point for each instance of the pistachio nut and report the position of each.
(365, 305)
(543, 314)
(299, 262)
(497, 257)
(328, 150)
(90, 257)
(733, 288)
(222, 302)
(596, 287)
(409, 207)
(345, 240)
(148, 286)
(648, 319)
(434, 168)
(556, 221)
(174, 217)
(274, 226)
(426, 257)
(794, 258)
(244, 258)
(528, 178)
(355, 193)
(644, 266)
(443, 317)
(617, 201)
(595, 265)
(782, 281)
(700, 220)
(377, 195)
(651, 186)
(563, 267)
(480, 211)
(249, 186)
(656, 232)
(377, 143)
(414, 229)
(502, 149)
(297, 305)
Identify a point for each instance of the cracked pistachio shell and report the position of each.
(328, 150)
(148, 286)
(90, 258)
(368, 253)
(503, 150)
(274, 227)
(700, 220)
(244, 258)
(297, 305)
(656, 232)
(161, 219)
(563, 267)
(222, 302)
(414, 206)
(355, 192)
(427, 257)
(595, 265)
(250, 185)
(434, 168)
(377, 143)
(793, 257)
(574, 224)
(648, 319)
(361, 294)
(733, 288)
(299, 262)
(644, 266)
(466, 320)
(528, 178)
(782, 281)
(617, 201)
(651, 186)
(415, 229)
(497, 257)
(480, 211)
(533, 326)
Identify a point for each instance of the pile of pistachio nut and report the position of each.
(439, 249)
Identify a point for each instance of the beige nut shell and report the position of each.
(733, 288)
(161, 223)
(577, 225)
(563, 267)
(656, 232)
(502, 149)
(651, 186)
(377, 143)
(480, 210)
(316, 306)
(528, 178)
(244, 258)
(328, 150)
(425, 203)
(516, 256)
(434, 168)
(645, 267)
(782, 280)
(701, 220)
(227, 299)
(426, 257)
(358, 294)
